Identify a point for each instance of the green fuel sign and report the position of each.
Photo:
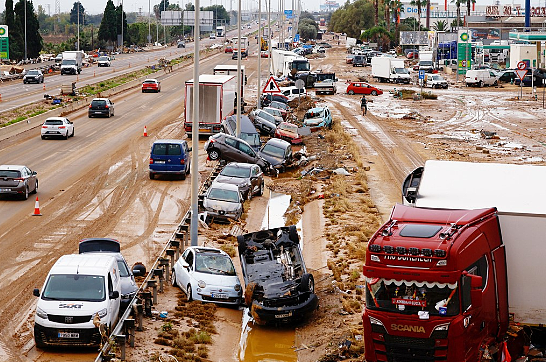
(4, 42)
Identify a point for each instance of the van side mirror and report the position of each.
(476, 295)
(114, 294)
(36, 292)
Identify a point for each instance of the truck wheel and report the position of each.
(293, 233)
(496, 83)
(480, 84)
(214, 154)
(374, 93)
(307, 283)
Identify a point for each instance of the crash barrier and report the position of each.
(141, 305)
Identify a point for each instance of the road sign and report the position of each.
(421, 74)
(271, 86)
(521, 73)
(522, 65)
(296, 38)
(300, 84)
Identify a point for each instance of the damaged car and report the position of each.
(318, 117)
(223, 202)
(278, 288)
(278, 153)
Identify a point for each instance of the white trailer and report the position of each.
(285, 63)
(244, 45)
(387, 69)
(523, 52)
(231, 69)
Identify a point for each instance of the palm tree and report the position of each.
(376, 15)
(458, 4)
(468, 2)
(397, 8)
(440, 25)
(378, 34)
(419, 4)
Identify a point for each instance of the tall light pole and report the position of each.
(149, 30)
(25, 29)
(195, 133)
(260, 52)
(78, 45)
(122, 26)
(164, 26)
(269, 38)
(239, 51)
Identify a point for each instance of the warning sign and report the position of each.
(521, 73)
(271, 86)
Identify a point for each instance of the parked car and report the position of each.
(247, 176)
(435, 81)
(57, 126)
(507, 76)
(223, 202)
(212, 36)
(278, 153)
(207, 274)
(293, 93)
(248, 131)
(537, 80)
(276, 112)
(265, 122)
(359, 61)
(59, 58)
(363, 88)
(318, 117)
(412, 55)
(264, 54)
(18, 180)
(104, 61)
(272, 294)
(280, 105)
(228, 49)
(181, 44)
(324, 44)
(319, 49)
(288, 132)
(270, 97)
(349, 58)
(151, 85)
(222, 146)
(170, 157)
(481, 77)
(33, 76)
(101, 107)
(112, 247)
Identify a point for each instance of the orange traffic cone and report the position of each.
(145, 132)
(44, 86)
(37, 208)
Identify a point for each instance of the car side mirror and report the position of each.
(185, 264)
(112, 103)
(114, 294)
(36, 292)
(34, 172)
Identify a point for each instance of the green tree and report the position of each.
(440, 25)
(351, 18)
(458, 19)
(420, 4)
(468, 3)
(119, 11)
(163, 5)
(379, 35)
(108, 25)
(308, 28)
(34, 39)
(221, 15)
(74, 13)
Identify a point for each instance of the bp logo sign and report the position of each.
(3, 31)
(464, 36)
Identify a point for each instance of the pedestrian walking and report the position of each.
(364, 105)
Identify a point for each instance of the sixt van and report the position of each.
(452, 276)
(81, 292)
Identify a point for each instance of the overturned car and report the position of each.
(278, 288)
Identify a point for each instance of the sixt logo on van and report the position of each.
(407, 328)
(70, 305)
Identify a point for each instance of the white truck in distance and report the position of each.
(426, 60)
(285, 63)
(244, 46)
(72, 62)
(387, 69)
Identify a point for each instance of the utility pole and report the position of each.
(268, 38)
(195, 134)
(260, 52)
(78, 45)
(122, 26)
(239, 51)
(25, 29)
(149, 27)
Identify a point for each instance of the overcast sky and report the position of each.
(97, 6)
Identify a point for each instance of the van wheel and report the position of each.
(496, 83)
(188, 293)
(293, 233)
(152, 176)
(480, 84)
(214, 154)
(183, 175)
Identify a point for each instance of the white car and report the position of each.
(223, 201)
(57, 127)
(104, 61)
(293, 92)
(208, 275)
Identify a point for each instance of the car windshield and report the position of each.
(33, 72)
(314, 114)
(401, 71)
(149, 82)
(75, 287)
(273, 151)
(220, 194)
(266, 116)
(9, 173)
(252, 139)
(288, 127)
(412, 297)
(103, 58)
(234, 171)
(53, 122)
(273, 111)
(279, 105)
(214, 264)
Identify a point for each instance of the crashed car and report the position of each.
(318, 117)
(288, 132)
(248, 177)
(278, 153)
(278, 289)
(223, 202)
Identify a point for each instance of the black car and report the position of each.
(278, 288)
(269, 97)
(278, 153)
(248, 177)
(508, 76)
(101, 107)
(18, 180)
(537, 80)
(33, 76)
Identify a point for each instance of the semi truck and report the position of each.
(387, 69)
(244, 46)
(220, 31)
(231, 69)
(217, 94)
(452, 275)
(286, 63)
(72, 62)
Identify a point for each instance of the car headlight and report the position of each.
(237, 287)
(128, 295)
(102, 313)
(40, 313)
(201, 284)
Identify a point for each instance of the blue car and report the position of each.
(318, 117)
(170, 157)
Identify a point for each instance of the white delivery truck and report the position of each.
(231, 69)
(72, 62)
(81, 296)
(426, 60)
(244, 46)
(286, 63)
(216, 101)
(523, 53)
(387, 69)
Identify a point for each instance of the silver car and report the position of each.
(248, 177)
(223, 202)
(18, 180)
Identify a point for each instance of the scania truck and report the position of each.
(452, 270)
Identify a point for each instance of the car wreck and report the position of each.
(279, 290)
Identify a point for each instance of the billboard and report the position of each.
(414, 38)
(171, 18)
(206, 19)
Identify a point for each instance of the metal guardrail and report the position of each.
(140, 306)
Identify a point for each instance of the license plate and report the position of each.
(204, 130)
(5, 190)
(219, 296)
(68, 335)
(285, 315)
(159, 161)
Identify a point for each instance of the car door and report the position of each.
(111, 106)
(69, 126)
(246, 153)
(256, 176)
(230, 153)
(183, 274)
(31, 179)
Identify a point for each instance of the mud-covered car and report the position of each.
(278, 288)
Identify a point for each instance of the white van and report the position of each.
(480, 77)
(78, 288)
(293, 92)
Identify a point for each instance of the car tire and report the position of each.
(214, 154)
(374, 93)
(307, 283)
(495, 83)
(173, 279)
(25, 195)
(249, 194)
(35, 191)
(152, 176)
(183, 175)
(40, 344)
(351, 92)
(480, 84)
(43, 137)
(293, 233)
(261, 190)
(73, 130)
(67, 135)
(189, 297)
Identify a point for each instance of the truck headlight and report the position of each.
(376, 321)
(442, 327)
(102, 313)
(40, 313)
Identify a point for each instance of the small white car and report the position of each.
(57, 127)
(208, 275)
(293, 92)
(104, 61)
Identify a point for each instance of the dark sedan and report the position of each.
(33, 76)
(101, 107)
(17, 180)
(248, 177)
(278, 153)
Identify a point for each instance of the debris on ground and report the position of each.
(415, 116)
(488, 135)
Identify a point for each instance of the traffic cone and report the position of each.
(44, 86)
(37, 208)
(145, 132)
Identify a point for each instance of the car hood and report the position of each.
(219, 205)
(226, 281)
(274, 161)
(314, 121)
(231, 180)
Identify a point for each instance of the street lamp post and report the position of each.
(122, 26)
(149, 27)
(239, 80)
(25, 29)
(260, 53)
(195, 133)
(78, 45)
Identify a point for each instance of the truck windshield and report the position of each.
(412, 297)
(69, 62)
(425, 63)
(71, 287)
(301, 66)
(401, 71)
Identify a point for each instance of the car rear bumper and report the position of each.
(4, 190)
(99, 112)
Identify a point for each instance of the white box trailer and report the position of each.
(387, 69)
(216, 102)
(518, 193)
(231, 69)
(523, 52)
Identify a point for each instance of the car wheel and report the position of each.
(35, 188)
(374, 93)
(261, 191)
(214, 154)
(307, 283)
(189, 297)
(293, 233)
(183, 175)
(480, 84)
(173, 278)
(72, 135)
(249, 194)
(351, 92)
(67, 135)
(25, 195)
(152, 176)
(43, 137)
(495, 83)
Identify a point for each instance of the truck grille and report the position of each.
(69, 319)
(403, 349)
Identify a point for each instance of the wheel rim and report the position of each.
(188, 293)
(214, 155)
(351, 92)
(374, 93)
(173, 279)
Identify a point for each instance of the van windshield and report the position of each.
(70, 287)
(69, 62)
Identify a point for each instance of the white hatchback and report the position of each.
(293, 92)
(57, 127)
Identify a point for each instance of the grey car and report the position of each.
(101, 107)
(248, 177)
(18, 180)
(33, 76)
(264, 121)
(223, 202)
(278, 153)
